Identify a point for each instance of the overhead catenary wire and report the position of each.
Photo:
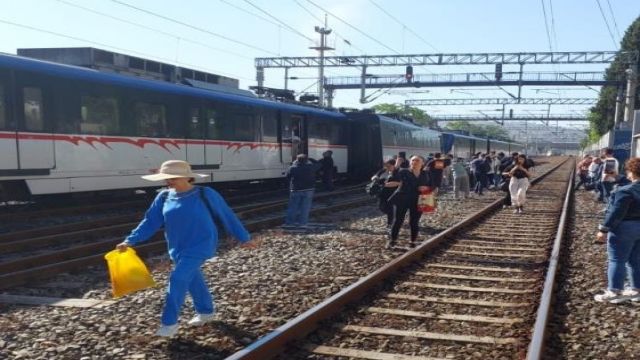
(212, 33)
(403, 25)
(120, 49)
(613, 17)
(132, 23)
(320, 20)
(606, 22)
(278, 20)
(353, 27)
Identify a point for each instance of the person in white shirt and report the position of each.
(610, 172)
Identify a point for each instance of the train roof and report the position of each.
(70, 71)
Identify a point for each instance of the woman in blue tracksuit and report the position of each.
(185, 211)
(621, 228)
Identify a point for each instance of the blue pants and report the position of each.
(607, 188)
(299, 207)
(623, 249)
(481, 182)
(186, 276)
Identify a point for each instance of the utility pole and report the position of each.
(631, 94)
(323, 31)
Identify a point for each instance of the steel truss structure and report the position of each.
(543, 118)
(564, 78)
(502, 101)
(577, 57)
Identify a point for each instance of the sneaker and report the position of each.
(521, 210)
(201, 319)
(611, 296)
(389, 245)
(632, 294)
(167, 331)
(516, 210)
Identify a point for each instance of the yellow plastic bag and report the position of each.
(128, 273)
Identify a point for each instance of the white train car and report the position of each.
(66, 129)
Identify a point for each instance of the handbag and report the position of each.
(426, 201)
(373, 188)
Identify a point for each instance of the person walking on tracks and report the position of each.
(621, 228)
(302, 180)
(382, 178)
(187, 213)
(460, 180)
(327, 169)
(519, 182)
(409, 182)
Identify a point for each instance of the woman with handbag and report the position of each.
(409, 182)
(519, 183)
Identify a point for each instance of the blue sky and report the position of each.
(454, 26)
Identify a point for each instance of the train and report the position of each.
(69, 129)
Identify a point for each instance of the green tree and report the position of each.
(418, 115)
(601, 115)
(491, 131)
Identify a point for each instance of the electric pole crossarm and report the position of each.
(562, 117)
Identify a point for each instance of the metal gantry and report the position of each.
(563, 78)
(575, 57)
(502, 101)
(498, 118)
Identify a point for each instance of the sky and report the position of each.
(225, 36)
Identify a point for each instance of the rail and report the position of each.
(273, 343)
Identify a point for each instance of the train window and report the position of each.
(33, 117)
(99, 115)
(195, 126)
(319, 133)
(213, 129)
(238, 123)
(269, 127)
(151, 119)
(3, 110)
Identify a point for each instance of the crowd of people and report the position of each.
(620, 227)
(401, 182)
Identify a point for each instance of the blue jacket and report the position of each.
(302, 176)
(624, 204)
(188, 226)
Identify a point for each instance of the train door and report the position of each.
(8, 131)
(35, 138)
(294, 136)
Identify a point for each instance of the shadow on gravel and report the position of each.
(184, 348)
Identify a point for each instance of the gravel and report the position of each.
(256, 291)
(583, 328)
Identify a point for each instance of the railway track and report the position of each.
(479, 290)
(40, 253)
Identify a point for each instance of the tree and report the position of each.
(490, 131)
(418, 115)
(601, 115)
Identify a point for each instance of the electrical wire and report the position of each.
(278, 20)
(120, 49)
(546, 25)
(322, 21)
(353, 27)
(209, 32)
(615, 23)
(249, 12)
(152, 29)
(403, 25)
(615, 44)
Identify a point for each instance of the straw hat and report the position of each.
(173, 169)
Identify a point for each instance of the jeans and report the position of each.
(623, 248)
(518, 189)
(583, 180)
(607, 187)
(186, 276)
(497, 178)
(299, 207)
(481, 183)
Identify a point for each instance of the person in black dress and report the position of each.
(410, 182)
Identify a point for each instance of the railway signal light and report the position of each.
(408, 75)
